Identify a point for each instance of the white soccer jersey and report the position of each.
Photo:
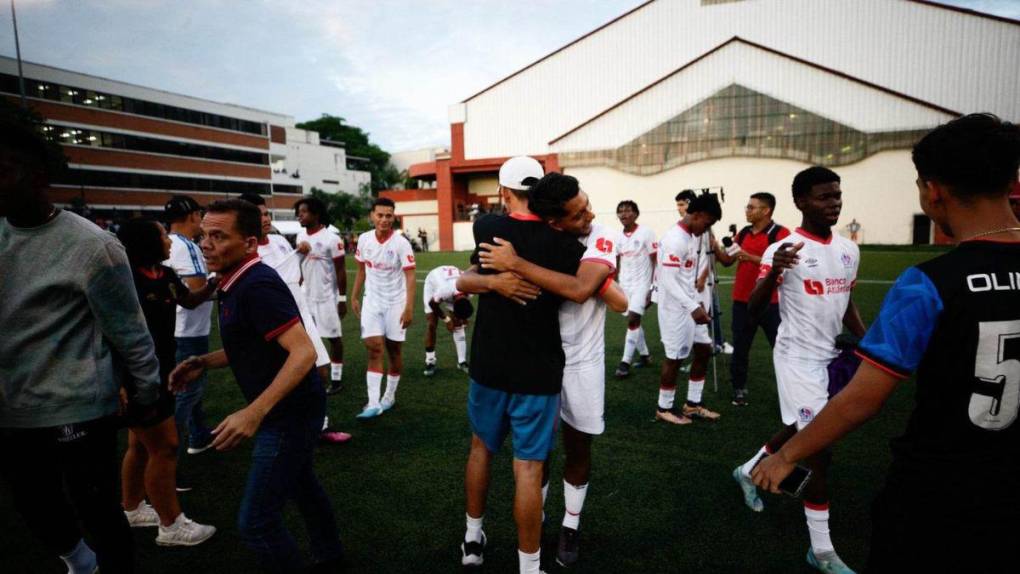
(441, 286)
(582, 326)
(320, 281)
(636, 249)
(677, 270)
(277, 253)
(814, 295)
(385, 264)
(187, 261)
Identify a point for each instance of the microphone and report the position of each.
(731, 247)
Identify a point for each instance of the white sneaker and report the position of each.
(727, 349)
(184, 532)
(144, 515)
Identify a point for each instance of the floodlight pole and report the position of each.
(17, 49)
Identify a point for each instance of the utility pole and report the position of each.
(17, 48)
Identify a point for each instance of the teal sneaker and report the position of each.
(369, 413)
(827, 562)
(750, 491)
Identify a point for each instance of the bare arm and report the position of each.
(577, 288)
(859, 401)
(359, 280)
(852, 320)
(615, 298)
(199, 291)
(408, 314)
(244, 423)
(506, 284)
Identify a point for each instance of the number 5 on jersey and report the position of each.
(996, 397)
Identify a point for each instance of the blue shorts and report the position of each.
(532, 418)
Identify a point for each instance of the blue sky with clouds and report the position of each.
(389, 66)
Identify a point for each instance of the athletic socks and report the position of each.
(642, 345)
(666, 397)
(374, 382)
(748, 466)
(573, 500)
(460, 342)
(430, 357)
(694, 388)
(80, 560)
(629, 344)
(392, 381)
(530, 563)
(336, 372)
(818, 526)
(325, 423)
(474, 529)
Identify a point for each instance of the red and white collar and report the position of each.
(525, 216)
(628, 234)
(229, 279)
(813, 237)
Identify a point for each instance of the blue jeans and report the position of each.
(188, 413)
(282, 469)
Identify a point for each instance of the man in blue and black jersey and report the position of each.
(952, 497)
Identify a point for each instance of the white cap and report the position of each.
(515, 170)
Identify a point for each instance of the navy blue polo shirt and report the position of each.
(255, 308)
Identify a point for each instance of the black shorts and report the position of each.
(150, 415)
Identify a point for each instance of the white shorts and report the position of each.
(701, 336)
(321, 355)
(803, 389)
(382, 321)
(637, 298)
(677, 329)
(327, 321)
(583, 398)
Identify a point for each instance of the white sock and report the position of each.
(748, 466)
(629, 344)
(666, 397)
(460, 342)
(80, 560)
(530, 563)
(694, 388)
(474, 529)
(573, 500)
(325, 423)
(374, 382)
(392, 381)
(818, 528)
(642, 345)
(336, 371)
(430, 357)
(545, 494)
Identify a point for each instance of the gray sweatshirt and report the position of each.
(67, 307)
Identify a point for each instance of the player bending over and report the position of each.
(637, 249)
(444, 303)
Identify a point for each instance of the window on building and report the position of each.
(117, 179)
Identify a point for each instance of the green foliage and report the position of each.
(356, 143)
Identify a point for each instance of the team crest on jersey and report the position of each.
(604, 245)
(688, 264)
(410, 258)
(805, 414)
(847, 260)
(673, 258)
(811, 262)
(812, 287)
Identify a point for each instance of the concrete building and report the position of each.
(130, 148)
(738, 95)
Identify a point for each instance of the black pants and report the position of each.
(59, 475)
(744, 328)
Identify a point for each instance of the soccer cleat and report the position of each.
(369, 413)
(740, 398)
(183, 488)
(751, 498)
(827, 562)
(334, 437)
(643, 361)
(334, 387)
(473, 553)
(387, 403)
(684, 368)
(623, 371)
(144, 515)
(699, 412)
(464, 367)
(567, 550)
(671, 417)
(430, 369)
(727, 349)
(184, 532)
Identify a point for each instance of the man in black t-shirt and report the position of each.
(952, 495)
(516, 362)
(273, 361)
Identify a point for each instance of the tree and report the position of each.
(344, 210)
(356, 142)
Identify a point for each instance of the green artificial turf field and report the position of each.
(661, 497)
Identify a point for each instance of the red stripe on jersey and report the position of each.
(525, 217)
(812, 236)
(880, 366)
(605, 285)
(281, 329)
(597, 260)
